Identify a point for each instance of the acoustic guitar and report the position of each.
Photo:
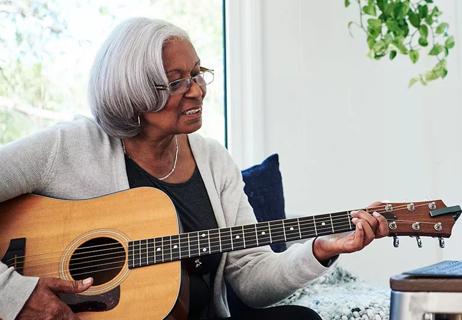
(130, 243)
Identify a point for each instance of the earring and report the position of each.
(139, 121)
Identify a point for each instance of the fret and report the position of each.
(292, 230)
(159, 252)
(331, 223)
(323, 224)
(166, 249)
(277, 231)
(189, 248)
(136, 254)
(226, 243)
(194, 244)
(314, 223)
(307, 227)
(208, 236)
(215, 244)
(299, 231)
(269, 231)
(243, 235)
(284, 229)
(342, 221)
(175, 250)
(145, 252)
(203, 242)
(151, 252)
(256, 233)
(250, 235)
(263, 234)
(237, 238)
(130, 255)
(184, 245)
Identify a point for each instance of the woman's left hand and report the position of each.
(368, 227)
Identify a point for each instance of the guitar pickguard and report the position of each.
(101, 302)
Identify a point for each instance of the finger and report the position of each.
(375, 205)
(67, 286)
(382, 229)
(369, 234)
(358, 236)
(68, 314)
(367, 217)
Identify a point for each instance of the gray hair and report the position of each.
(126, 69)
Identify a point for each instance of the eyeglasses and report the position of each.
(181, 86)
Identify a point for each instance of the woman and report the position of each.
(146, 93)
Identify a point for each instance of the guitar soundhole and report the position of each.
(101, 258)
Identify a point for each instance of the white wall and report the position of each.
(348, 129)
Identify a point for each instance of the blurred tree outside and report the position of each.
(47, 48)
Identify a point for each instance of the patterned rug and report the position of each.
(341, 295)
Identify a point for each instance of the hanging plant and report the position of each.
(407, 27)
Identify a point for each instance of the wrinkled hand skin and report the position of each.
(44, 304)
(368, 227)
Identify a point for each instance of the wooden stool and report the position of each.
(416, 298)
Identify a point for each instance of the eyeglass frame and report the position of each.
(202, 70)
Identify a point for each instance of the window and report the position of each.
(48, 47)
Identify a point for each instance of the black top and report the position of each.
(195, 212)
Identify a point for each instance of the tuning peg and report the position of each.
(441, 241)
(419, 241)
(395, 242)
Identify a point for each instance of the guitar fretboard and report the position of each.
(205, 242)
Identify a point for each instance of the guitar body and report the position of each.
(54, 230)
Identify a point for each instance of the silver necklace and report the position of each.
(174, 161)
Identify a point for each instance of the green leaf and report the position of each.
(436, 49)
(381, 4)
(450, 43)
(442, 27)
(414, 19)
(398, 43)
(414, 55)
(423, 42)
(370, 10)
(413, 81)
(429, 1)
(423, 30)
(429, 20)
(374, 27)
(423, 11)
(347, 3)
(393, 54)
(370, 42)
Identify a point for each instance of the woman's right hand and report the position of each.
(44, 302)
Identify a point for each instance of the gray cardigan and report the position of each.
(77, 160)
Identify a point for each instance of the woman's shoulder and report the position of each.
(206, 146)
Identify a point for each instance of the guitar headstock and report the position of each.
(425, 218)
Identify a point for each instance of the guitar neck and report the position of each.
(206, 242)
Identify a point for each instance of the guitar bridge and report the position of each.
(14, 256)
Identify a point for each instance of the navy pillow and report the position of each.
(263, 186)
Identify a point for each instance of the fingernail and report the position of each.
(359, 226)
(354, 220)
(87, 281)
(376, 214)
(354, 213)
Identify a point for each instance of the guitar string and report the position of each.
(310, 223)
(294, 220)
(252, 244)
(398, 208)
(119, 267)
(115, 245)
